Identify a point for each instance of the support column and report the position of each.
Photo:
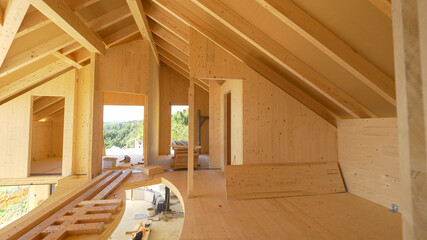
(190, 172)
(97, 120)
(411, 92)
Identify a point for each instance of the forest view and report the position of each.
(123, 134)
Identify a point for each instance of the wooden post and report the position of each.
(97, 120)
(411, 89)
(190, 172)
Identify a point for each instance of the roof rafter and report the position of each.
(383, 5)
(33, 79)
(120, 35)
(202, 23)
(27, 57)
(52, 109)
(31, 22)
(13, 17)
(138, 13)
(282, 56)
(173, 58)
(168, 36)
(326, 41)
(167, 20)
(63, 16)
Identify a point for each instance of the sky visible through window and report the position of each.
(123, 113)
(176, 108)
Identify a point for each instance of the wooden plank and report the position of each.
(251, 181)
(96, 209)
(25, 58)
(63, 16)
(27, 222)
(284, 57)
(77, 5)
(61, 212)
(374, 178)
(13, 17)
(175, 67)
(180, 58)
(102, 202)
(170, 48)
(87, 218)
(331, 45)
(110, 188)
(30, 181)
(138, 13)
(78, 229)
(409, 41)
(152, 170)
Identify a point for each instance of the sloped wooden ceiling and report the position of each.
(335, 57)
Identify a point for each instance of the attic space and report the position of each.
(258, 119)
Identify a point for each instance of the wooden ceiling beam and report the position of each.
(77, 5)
(205, 24)
(282, 56)
(167, 20)
(80, 56)
(173, 59)
(31, 22)
(13, 17)
(49, 110)
(183, 72)
(169, 37)
(104, 21)
(138, 13)
(120, 35)
(170, 48)
(27, 57)
(170, 55)
(29, 81)
(63, 16)
(68, 59)
(43, 102)
(71, 48)
(326, 41)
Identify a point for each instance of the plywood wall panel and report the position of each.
(276, 127)
(368, 156)
(15, 126)
(128, 99)
(124, 68)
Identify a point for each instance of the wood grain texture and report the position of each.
(327, 217)
(369, 159)
(252, 181)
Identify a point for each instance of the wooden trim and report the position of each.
(64, 17)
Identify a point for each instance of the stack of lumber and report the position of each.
(180, 157)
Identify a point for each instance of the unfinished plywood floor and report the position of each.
(336, 216)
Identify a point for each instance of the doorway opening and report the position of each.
(227, 128)
(179, 125)
(123, 130)
(47, 133)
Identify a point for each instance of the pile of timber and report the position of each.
(87, 213)
(180, 157)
